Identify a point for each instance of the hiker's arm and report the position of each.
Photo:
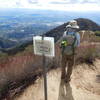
(59, 42)
(64, 35)
(78, 39)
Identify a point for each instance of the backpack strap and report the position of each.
(74, 39)
(73, 48)
(67, 31)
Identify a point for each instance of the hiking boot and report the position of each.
(63, 77)
(67, 80)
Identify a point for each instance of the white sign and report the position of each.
(44, 46)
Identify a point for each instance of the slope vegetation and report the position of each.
(19, 68)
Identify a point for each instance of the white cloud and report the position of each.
(75, 1)
(90, 1)
(33, 1)
(72, 5)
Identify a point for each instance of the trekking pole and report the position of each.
(44, 73)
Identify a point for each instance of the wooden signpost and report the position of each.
(44, 46)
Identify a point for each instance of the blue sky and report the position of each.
(67, 5)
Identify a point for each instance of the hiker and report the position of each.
(70, 41)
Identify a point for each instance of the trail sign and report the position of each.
(44, 46)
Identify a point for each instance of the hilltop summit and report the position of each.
(85, 24)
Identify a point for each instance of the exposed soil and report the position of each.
(84, 85)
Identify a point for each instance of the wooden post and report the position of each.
(44, 73)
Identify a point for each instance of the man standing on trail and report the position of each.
(70, 41)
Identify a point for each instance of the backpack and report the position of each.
(69, 44)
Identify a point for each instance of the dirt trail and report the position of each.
(85, 85)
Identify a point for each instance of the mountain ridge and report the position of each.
(6, 43)
(85, 24)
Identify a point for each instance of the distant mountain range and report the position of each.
(6, 43)
(85, 24)
(22, 24)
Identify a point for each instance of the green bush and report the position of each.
(3, 55)
(97, 33)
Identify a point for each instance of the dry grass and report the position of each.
(17, 68)
(25, 64)
(20, 69)
(87, 52)
(90, 46)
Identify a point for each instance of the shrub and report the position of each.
(97, 33)
(88, 52)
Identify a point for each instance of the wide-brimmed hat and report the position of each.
(73, 24)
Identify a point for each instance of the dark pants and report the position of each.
(69, 62)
